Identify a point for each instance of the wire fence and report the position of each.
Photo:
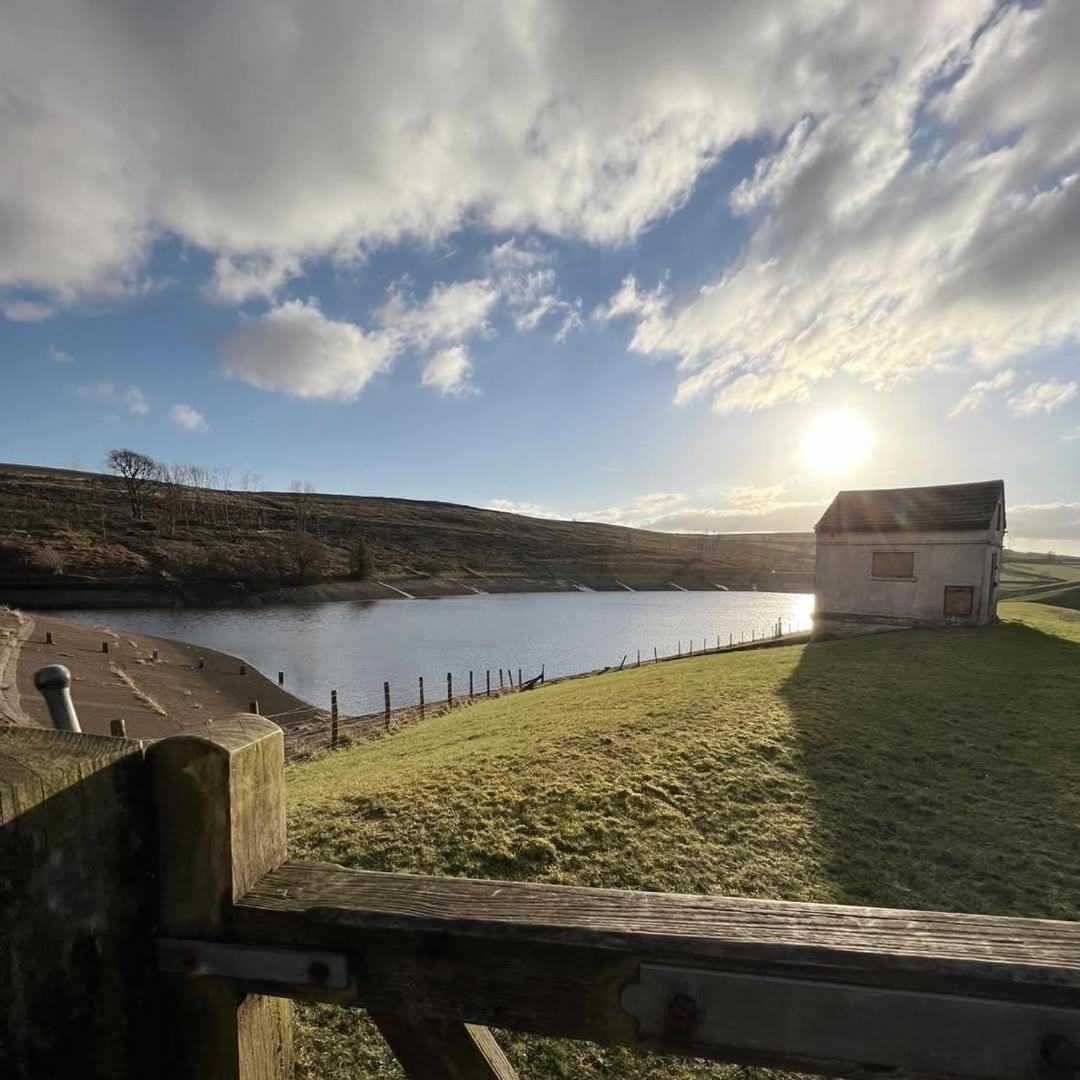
(310, 730)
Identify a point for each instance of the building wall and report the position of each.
(846, 589)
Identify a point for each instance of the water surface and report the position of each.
(353, 647)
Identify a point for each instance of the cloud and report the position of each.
(131, 398)
(294, 348)
(187, 417)
(310, 129)
(29, 311)
(60, 356)
(1052, 520)
(526, 509)
(978, 392)
(926, 217)
(525, 277)
(1043, 396)
(746, 508)
(448, 371)
(450, 313)
(254, 277)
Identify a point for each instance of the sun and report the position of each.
(836, 442)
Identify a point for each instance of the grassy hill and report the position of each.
(923, 769)
(68, 535)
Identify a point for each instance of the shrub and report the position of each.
(359, 560)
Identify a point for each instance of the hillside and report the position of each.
(932, 769)
(69, 538)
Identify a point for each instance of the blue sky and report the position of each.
(584, 261)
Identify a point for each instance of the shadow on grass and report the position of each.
(946, 768)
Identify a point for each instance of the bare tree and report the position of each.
(138, 472)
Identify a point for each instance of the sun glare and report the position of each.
(836, 442)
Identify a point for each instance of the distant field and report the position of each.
(922, 769)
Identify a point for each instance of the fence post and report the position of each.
(470, 684)
(421, 697)
(219, 802)
(449, 689)
(281, 678)
(519, 678)
(118, 728)
(500, 679)
(639, 658)
(333, 720)
(386, 703)
(489, 682)
(655, 658)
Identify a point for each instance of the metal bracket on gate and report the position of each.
(253, 963)
(812, 1020)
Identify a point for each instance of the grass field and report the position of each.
(922, 769)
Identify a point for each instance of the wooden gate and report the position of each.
(153, 925)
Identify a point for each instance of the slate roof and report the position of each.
(949, 508)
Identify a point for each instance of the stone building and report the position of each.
(928, 556)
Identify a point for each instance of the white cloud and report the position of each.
(451, 313)
(977, 393)
(20, 310)
(448, 371)
(1052, 520)
(60, 356)
(315, 128)
(294, 348)
(737, 509)
(881, 255)
(525, 277)
(187, 417)
(254, 277)
(526, 509)
(107, 393)
(1044, 396)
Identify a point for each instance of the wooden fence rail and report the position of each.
(239, 929)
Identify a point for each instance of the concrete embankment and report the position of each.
(183, 690)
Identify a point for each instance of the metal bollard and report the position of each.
(54, 684)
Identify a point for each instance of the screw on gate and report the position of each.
(682, 1017)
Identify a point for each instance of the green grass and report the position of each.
(923, 769)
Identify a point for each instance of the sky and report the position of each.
(692, 265)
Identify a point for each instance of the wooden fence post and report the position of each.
(655, 658)
(281, 678)
(489, 682)
(386, 703)
(470, 685)
(639, 658)
(449, 689)
(333, 720)
(219, 803)
(519, 678)
(500, 679)
(421, 697)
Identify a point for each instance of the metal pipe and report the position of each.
(53, 682)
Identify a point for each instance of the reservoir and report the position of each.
(354, 647)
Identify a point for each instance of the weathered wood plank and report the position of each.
(923, 986)
(219, 803)
(77, 993)
(1023, 957)
(443, 1049)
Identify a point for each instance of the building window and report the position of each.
(959, 600)
(898, 565)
